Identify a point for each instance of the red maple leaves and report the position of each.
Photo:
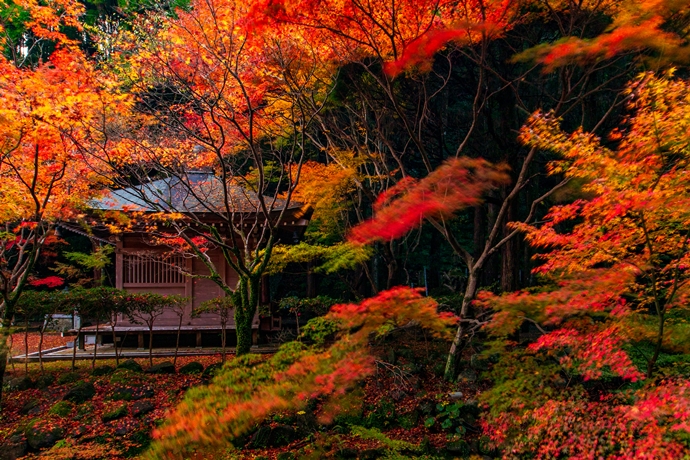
(455, 185)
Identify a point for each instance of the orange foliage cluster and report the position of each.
(457, 184)
(637, 25)
(43, 171)
(245, 80)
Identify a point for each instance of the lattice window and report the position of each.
(153, 269)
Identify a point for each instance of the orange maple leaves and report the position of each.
(648, 25)
(627, 240)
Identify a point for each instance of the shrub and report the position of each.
(318, 330)
(69, 377)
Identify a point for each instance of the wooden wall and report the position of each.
(136, 276)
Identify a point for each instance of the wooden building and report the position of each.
(141, 266)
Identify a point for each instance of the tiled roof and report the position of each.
(200, 192)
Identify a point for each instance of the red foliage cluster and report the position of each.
(590, 352)
(455, 185)
(580, 429)
(48, 282)
(624, 37)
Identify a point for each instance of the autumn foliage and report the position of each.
(616, 261)
(457, 184)
(250, 388)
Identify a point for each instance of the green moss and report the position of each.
(130, 365)
(61, 408)
(125, 376)
(69, 377)
(81, 392)
(382, 416)
(192, 368)
(119, 412)
(121, 394)
(102, 370)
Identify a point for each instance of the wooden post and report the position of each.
(140, 344)
(198, 339)
(189, 290)
(119, 264)
(265, 290)
(255, 337)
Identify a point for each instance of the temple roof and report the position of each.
(199, 192)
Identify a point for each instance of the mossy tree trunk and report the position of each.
(246, 298)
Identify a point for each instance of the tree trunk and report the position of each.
(9, 357)
(40, 346)
(4, 355)
(151, 345)
(117, 357)
(95, 347)
(74, 347)
(246, 302)
(222, 341)
(5, 333)
(26, 346)
(509, 258)
(456, 347)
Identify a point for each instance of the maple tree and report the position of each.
(619, 268)
(221, 118)
(223, 307)
(46, 104)
(147, 307)
(397, 77)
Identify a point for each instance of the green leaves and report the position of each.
(340, 256)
